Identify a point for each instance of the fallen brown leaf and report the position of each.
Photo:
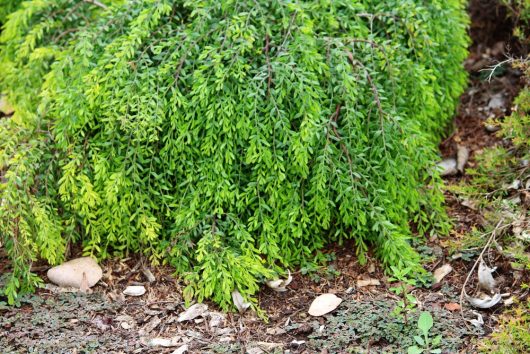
(452, 306)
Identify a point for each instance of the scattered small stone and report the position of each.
(70, 274)
(193, 312)
(324, 304)
(134, 290)
(125, 325)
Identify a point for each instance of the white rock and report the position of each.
(70, 274)
(447, 167)
(193, 312)
(324, 304)
(134, 290)
(441, 272)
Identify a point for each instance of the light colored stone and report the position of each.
(134, 290)
(324, 304)
(70, 274)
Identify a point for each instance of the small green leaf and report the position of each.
(419, 340)
(425, 322)
(437, 340)
(414, 350)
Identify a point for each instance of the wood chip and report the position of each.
(367, 282)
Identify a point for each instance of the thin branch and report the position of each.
(269, 68)
(97, 3)
(375, 92)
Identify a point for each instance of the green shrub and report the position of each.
(226, 138)
(513, 334)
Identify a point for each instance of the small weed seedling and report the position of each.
(426, 344)
(408, 301)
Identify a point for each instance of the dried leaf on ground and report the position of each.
(485, 303)
(280, 285)
(164, 342)
(368, 282)
(462, 155)
(193, 312)
(441, 272)
(239, 302)
(452, 306)
(447, 167)
(485, 277)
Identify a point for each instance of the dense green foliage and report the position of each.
(227, 138)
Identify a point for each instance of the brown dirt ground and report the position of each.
(52, 322)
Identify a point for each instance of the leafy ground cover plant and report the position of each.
(425, 342)
(226, 138)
